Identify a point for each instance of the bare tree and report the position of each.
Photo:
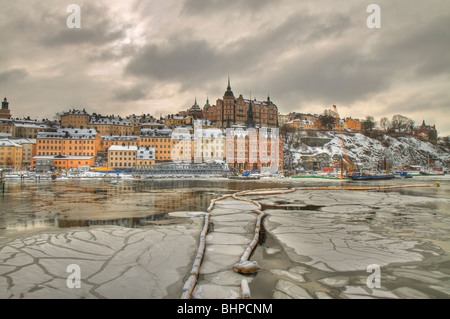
(385, 124)
(402, 123)
(369, 124)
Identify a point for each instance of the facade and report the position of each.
(195, 111)
(239, 111)
(107, 141)
(254, 149)
(111, 125)
(174, 120)
(145, 156)
(60, 162)
(5, 112)
(6, 126)
(353, 124)
(28, 128)
(161, 141)
(427, 132)
(29, 150)
(122, 157)
(68, 142)
(209, 145)
(11, 154)
(301, 124)
(75, 119)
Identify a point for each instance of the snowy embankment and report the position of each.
(359, 148)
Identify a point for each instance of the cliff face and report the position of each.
(364, 149)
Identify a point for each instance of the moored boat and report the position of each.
(364, 177)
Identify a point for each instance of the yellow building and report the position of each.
(29, 149)
(75, 119)
(68, 142)
(122, 157)
(145, 156)
(111, 125)
(161, 141)
(174, 120)
(11, 154)
(301, 124)
(108, 141)
(352, 124)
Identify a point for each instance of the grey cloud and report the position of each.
(12, 75)
(217, 6)
(194, 61)
(135, 93)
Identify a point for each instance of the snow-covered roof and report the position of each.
(123, 148)
(156, 132)
(9, 143)
(81, 134)
(120, 138)
(109, 121)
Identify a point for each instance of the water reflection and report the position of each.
(75, 203)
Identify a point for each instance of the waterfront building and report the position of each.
(60, 162)
(209, 144)
(254, 149)
(122, 157)
(11, 154)
(160, 140)
(29, 150)
(145, 156)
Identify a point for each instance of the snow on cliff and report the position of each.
(359, 148)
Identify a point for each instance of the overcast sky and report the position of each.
(134, 57)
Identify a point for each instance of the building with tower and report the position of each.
(5, 112)
(230, 111)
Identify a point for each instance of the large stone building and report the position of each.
(239, 111)
(75, 119)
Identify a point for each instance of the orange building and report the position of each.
(108, 141)
(61, 162)
(75, 119)
(353, 124)
(68, 142)
(111, 125)
(161, 141)
(11, 154)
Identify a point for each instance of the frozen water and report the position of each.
(114, 264)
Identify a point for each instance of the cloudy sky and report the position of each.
(134, 57)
